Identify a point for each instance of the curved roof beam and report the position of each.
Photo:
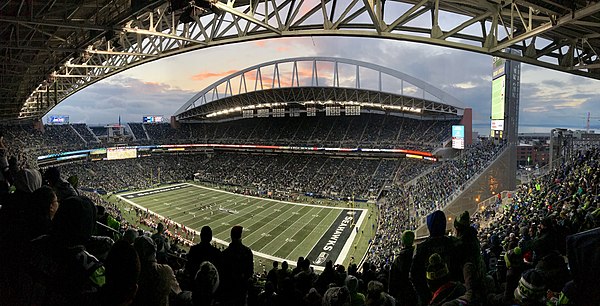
(205, 95)
(101, 39)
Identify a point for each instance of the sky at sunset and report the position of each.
(548, 98)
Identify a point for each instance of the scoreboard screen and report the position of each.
(458, 137)
(58, 119)
(152, 119)
(120, 153)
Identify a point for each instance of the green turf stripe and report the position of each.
(283, 237)
(278, 229)
(301, 234)
(255, 225)
(304, 247)
(265, 228)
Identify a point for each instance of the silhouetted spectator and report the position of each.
(201, 252)
(122, 274)
(439, 282)
(206, 284)
(162, 243)
(61, 270)
(238, 268)
(400, 286)
(356, 298)
(272, 275)
(61, 187)
(438, 243)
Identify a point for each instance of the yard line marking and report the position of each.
(219, 241)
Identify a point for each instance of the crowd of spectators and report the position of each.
(367, 130)
(408, 202)
(318, 176)
(138, 131)
(136, 173)
(518, 259)
(283, 176)
(53, 253)
(87, 134)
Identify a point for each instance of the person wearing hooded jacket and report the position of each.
(439, 243)
(157, 281)
(60, 270)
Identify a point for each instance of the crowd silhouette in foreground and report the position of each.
(53, 252)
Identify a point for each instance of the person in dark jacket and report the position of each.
(238, 268)
(272, 275)
(546, 241)
(201, 252)
(468, 248)
(439, 243)
(62, 271)
(61, 187)
(400, 285)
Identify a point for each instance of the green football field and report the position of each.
(274, 230)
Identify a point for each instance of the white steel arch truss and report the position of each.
(560, 35)
(318, 79)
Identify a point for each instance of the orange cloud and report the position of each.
(205, 75)
(260, 43)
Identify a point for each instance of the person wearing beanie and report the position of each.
(356, 298)
(464, 221)
(376, 295)
(157, 282)
(238, 268)
(40, 213)
(439, 282)
(515, 266)
(400, 286)
(130, 235)
(439, 243)
(201, 252)
(28, 180)
(468, 247)
(206, 283)
(531, 289)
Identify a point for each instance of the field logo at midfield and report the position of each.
(331, 244)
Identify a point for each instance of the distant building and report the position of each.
(533, 154)
(533, 149)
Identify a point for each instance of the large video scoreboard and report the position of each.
(153, 119)
(506, 78)
(58, 119)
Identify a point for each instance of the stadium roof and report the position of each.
(315, 82)
(51, 49)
